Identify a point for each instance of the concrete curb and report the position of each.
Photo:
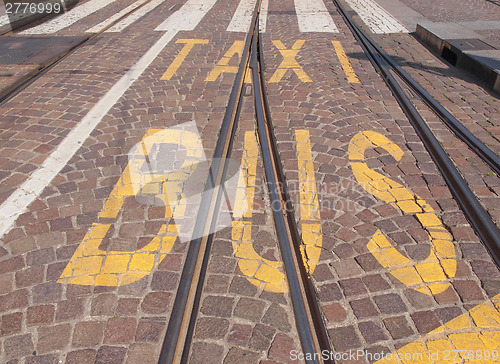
(463, 48)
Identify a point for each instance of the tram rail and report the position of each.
(27, 79)
(479, 219)
(310, 326)
(176, 344)
(308, 316)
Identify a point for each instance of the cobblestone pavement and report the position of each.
(396, 268)
(470, 103)
(366, 306)
(93, 15)
(466, 99)
(449, 11)
(11, 72)
(103, 323)
(245, 312)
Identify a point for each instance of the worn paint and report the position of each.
(344, 61)
(312, 236)
(313, 16)
(223, 65)
(431, 275)
(289, 62)
(176, 63)
(242, 17)
(266, 274)
(473, 337)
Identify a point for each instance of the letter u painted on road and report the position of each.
(265, 273)
(430, 275)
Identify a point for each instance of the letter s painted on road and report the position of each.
(430, 275)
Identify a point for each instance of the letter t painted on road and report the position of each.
(189, 44)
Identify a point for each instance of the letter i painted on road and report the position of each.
(344, 61)
(176, 63)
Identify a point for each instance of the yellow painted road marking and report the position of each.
(344, 61)
(91, 265)
(222, 65)
(312, 236)
(473, 337)
(430, 275)
(289, 62)
(176, 63)
(262, 272)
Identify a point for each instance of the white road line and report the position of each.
(187, 17)
(378, 20)
(243, 16)
(69, 18)
(263, 16)
(134, 16)
(19, 201)
(313, 16)
(118, 15)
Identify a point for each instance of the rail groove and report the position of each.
(308, 316)
(479, 219)
(309, 321)
(176, 344)
(27, 79)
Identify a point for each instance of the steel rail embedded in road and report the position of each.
(24, 81)
(477, 146)
(175, 348)
(308, 318)
(479, 219)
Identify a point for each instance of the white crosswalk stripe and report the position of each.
(17, 203)
(263, 15)
(376, 18)
(105, 23)
(243, 16)
(313, 16)
(136, 15)
(191, 13)
(69, 18)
